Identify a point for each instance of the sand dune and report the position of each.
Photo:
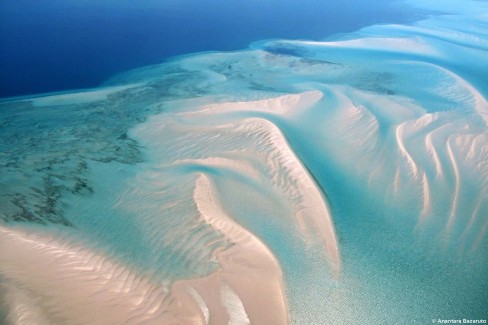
(340, 181)
(72, 284)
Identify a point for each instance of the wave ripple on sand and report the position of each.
(341, 181)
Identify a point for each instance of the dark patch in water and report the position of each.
(282, 48)
(379, 83)
(44, 151)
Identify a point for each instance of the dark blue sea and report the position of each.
(55, 45)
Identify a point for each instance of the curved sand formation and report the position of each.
(391, 122)
(259, 152)
(242, 291)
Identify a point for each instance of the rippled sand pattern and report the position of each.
(333, 182)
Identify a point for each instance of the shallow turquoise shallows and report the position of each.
(342, 181)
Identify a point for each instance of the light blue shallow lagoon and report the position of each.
(341, 181)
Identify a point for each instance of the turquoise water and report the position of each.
(374, 143)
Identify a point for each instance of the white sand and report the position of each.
(403, 150)
(387, 44)
(426, 196)
(253, 147)
(74, 284)
(249, 283)
(435, 156)
(58, 282)
(456, 193)
(283, 105)
(313, 214)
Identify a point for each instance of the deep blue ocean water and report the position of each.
(55, 45)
